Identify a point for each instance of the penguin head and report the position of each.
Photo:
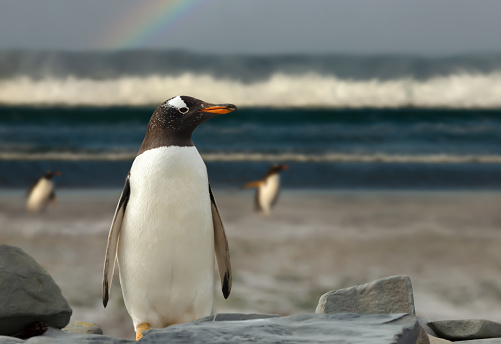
(50, 174)
(184, 113)
(276, 168)
(174, 120)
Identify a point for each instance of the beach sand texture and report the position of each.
(447, 242)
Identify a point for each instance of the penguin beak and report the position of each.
(57, 173)
(219, 109)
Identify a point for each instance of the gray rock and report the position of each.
(302, 328)
(28, 294)
(423, 337)
(236, 316)
(10, 340)
(82, 328)
(466, 329)
(56, 336)
(77, 339)
(384, 296)
(481, 341)
(423, 322)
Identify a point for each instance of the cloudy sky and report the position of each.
(425, 27)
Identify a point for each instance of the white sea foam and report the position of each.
(462, 90)
(270, 157)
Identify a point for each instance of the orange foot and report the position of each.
(140, 328)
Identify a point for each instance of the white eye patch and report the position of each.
(176, 102)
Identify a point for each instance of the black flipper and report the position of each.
(221, 248)
(113, 237)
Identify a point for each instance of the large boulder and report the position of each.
(28, 294)
(302, 328)
(384, 296)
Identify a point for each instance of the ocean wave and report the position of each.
(354, 158)
(271, 157)
(462, 90)
(67, 156)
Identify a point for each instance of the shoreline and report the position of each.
(316, 241)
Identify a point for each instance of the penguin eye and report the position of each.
(183, 109)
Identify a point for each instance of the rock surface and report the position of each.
(435, 340)
(466, 329)
(28, 294)
(302, 328)
(384, 296)
(82, 328)
(424, 324)
(56, 336)
(236, 317)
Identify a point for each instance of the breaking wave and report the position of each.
(139, 78)
(462, 90)
(269, 157)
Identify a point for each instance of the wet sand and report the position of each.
(448, 243)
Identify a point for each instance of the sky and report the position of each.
(419, 27)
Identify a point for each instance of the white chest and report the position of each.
(169, 176)
(166, 245)
(268, 191)
(40, 195)
(168, 194)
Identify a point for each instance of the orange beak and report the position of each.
(57, 173)
(220, 109)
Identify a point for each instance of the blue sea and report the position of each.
(339, 122)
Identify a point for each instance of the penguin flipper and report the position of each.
(113, 237)
(221, 248)
(52, 198)
(257, 205)
(255, 184)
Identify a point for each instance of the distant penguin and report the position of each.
(267, 189)
(41, 193)
(167, 229)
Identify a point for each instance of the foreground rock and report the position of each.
(236, 317)
(479, 341)
(384, 296)
(302, 328)
(56, 336)
(28, 294)
(467, 329)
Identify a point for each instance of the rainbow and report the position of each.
(147, 21)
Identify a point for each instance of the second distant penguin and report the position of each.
(41, 193)
(267, 189)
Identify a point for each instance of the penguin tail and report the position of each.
(250, 185)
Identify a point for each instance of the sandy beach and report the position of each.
(448, 243)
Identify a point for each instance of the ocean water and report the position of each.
(340, 122)
(405, 148)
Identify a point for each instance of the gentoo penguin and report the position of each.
(267, 189)
(167, 228)
(41, 193)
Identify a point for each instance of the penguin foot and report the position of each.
(140, 328)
